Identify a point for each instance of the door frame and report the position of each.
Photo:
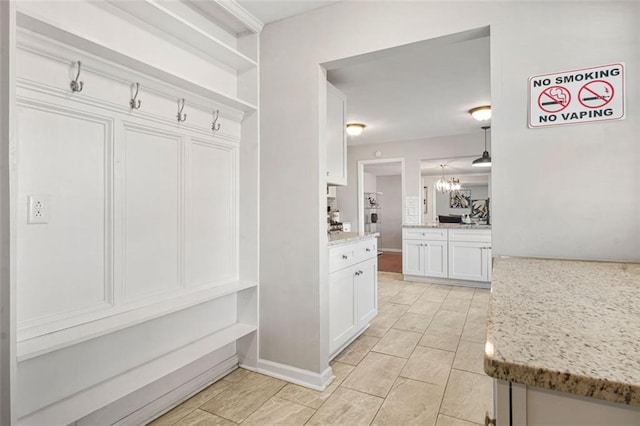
(361, 165)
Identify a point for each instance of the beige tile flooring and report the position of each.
(419, 363)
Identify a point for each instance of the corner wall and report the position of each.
(528, 163)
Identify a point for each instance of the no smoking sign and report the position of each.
(577, 96)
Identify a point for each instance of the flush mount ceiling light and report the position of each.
(481, 113)
(354, 129)
(485, 160)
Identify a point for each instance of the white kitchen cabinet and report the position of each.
(517, 404)
(412, 258)
(450, 254)
(469, 254)
(365, 286)
(425, 257)
(469, 260)
(342, 307)
(424, 252)
(353, 284)
(336, 136)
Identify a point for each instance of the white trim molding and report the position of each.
(306, 378)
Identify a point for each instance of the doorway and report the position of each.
(380, 207)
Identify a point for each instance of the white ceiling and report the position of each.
(417, 91)
(270, 11)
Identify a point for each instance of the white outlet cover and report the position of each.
(38, 209)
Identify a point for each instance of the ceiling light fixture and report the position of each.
(485, 160)
(354, 129)
(444, 185)
(481, 113)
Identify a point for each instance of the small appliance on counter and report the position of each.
(333, 220)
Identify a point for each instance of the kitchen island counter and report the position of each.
(449, 226)
(568, 326)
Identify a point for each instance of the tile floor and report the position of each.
(419, 363)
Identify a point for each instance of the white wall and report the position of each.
(391, 213)
(370, 182)
(478, 192)
(7, 236)
(527, 162)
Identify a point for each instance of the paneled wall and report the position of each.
(130, 293)
(141, 208)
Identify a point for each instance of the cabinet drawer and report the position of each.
(367, 249)
(473, 235)
(434, 234)
(352, 253)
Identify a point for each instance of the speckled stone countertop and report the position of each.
(570, 326)
(450, 226)
(337, 238)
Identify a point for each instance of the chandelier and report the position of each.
(444, 185)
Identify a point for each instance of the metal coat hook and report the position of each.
(77, 86)
(134, 103)
(215, 126)
(181, 117)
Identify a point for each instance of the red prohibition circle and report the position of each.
(554, 99)
(588, 94)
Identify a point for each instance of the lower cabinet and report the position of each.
(521, 405)
(469, 261)
(456, 254)
(353, 298)
(424, 257)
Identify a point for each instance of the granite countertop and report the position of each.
(337, 238)
(570, 326)
(450, 226)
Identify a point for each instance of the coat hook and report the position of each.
(134, 103)
(181, 117)
(215, 126)
(77, 86)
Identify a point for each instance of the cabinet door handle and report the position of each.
(361, 272)
(357, 273)
(368, 249)
(488, 421)
(344, 256)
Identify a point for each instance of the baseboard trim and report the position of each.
(447, 281)
(392, 250)
(306, 378)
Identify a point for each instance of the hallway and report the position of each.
(420, 362)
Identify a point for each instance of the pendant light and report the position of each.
(444, 185)
(485, 160)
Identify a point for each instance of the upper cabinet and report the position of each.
(336, 136)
